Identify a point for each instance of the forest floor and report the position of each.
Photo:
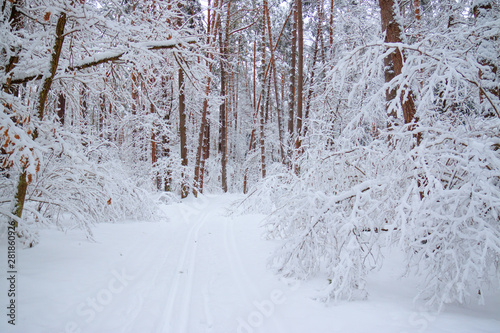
(203, 269)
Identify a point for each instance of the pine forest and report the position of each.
(319, 147)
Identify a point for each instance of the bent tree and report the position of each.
(23, 75)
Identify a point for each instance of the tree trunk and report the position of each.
(206, 152)
(276, 92)
(223, 116)
(300, 70)
(293, 60)
(183, 133)
(223, 125)
(202, 153)
(300, 78)
(487, 55)
(56, 54)
(198, 185)
(332, 8)
(24, 179)
(313, 65)
(15, 24)
(154, 147)
(61, 108)
(264, 93)
(394, 61)
(167, 178)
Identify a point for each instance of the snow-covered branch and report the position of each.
(110, 56)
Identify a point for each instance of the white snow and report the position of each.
(164, 44)
(204, 270)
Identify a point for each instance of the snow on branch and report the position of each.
(111, 56)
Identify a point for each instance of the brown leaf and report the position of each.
(46, 17)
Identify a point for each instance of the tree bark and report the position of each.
(56, 54)
(198, 184)
(223, 43)
(481, 11)
(300, 71)
(15, 25)
(300, 79)
(61, 108)
(293, 61)
(165, 142)
(313, 65)
(24, 179)
(183, 133)
(394, 61)
(263, 72)
(276, 92)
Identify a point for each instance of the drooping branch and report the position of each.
(394, 61)
(109, 56)
(25, 178)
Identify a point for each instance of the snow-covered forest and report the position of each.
(351, 135)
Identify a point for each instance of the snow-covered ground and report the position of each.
(203, 270)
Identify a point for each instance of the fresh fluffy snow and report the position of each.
(203, 269)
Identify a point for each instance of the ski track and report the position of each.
(158, 276)
(182, 285)
(148, 272)
(197, 274)
(180, 294)
(242, 277)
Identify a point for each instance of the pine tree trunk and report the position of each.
(223, 45)
(487, 59)
(300, 71)
(198, 170)
(154, 147)
(61, 108)
(313, 65)
(394, 61)
(276, 92)
(203, 136)
(300, 79)
(222, 124)
(264, 94)
(183, 132)
(164, 150)
(332, 7)
(293, 61)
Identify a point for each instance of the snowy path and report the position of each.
(202, 271)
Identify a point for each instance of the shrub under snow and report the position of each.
(438, 201)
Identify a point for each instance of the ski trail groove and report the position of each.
(160, 268)
(182, 286)
(243, 276)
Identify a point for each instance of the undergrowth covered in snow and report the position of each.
(438, 201)
(368, 177)
(81, 181)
